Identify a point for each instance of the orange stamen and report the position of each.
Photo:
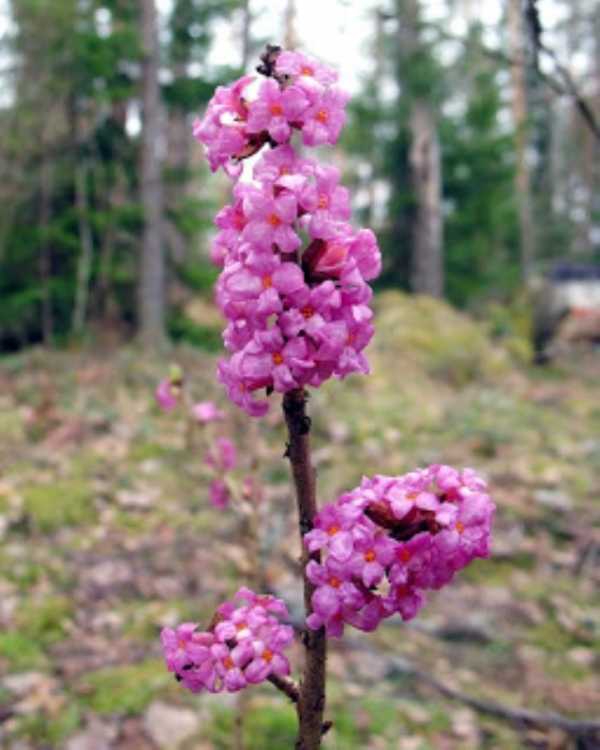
(267, 282)
(274, 220)
(267, 655)
(277, 358)
(307, 312)
(322, 116)
(333, 530)
(228, 662)
(335, 582)
(369, 556)
(405, 554)
(323, 201)
(460, 527)
(276, 109)
(306, 71)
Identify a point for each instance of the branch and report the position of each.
(570, 87)
(311, 700)
(566, 86)
(287, 686)
(518, 716)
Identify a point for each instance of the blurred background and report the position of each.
(472, 149)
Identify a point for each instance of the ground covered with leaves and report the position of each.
(107, 535)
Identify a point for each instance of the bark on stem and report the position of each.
(311, 699)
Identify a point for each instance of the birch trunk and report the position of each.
(516, 36)
(427, 273)
(151, 301)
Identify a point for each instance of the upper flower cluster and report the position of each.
(392, 538)
(294, 281)
(245, 645)
(299, 94)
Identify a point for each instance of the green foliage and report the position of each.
(271, 726)
(63, 503)
(74, 94)
(20, 651)
(48, 731)
(183, 329)
(45, 623)
(125, 689)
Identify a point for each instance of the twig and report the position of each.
(564, 87)
(536, 30)
(311, 700)
(580, 728)
(287, 686)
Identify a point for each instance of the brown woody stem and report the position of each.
(311, 698)
(286, 686)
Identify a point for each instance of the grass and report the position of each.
(126, 689)
(20, 652)
(64, 503)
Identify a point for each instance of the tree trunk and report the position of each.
(246, 24)
(290, 40)
(45, 257)
(519, 110)
(427, 264)
(84, 265)
(427, 272)
(151, 302)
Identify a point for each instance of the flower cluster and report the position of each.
(392, 538)
(298, 94)
(296, 315)
(244, 646)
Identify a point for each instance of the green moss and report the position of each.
(553, 638)
(11, 427)
(64, 503)
(47, 731)
(273, 726)
(126, 689)
(45, 622)
(497, 572)
(20, 651)
(141, 451)
(447, 344)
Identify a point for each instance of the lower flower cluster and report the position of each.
(244, 645)
(389, 540)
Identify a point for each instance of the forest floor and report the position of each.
(106, 535)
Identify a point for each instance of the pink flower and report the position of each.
(228, 374)
(223, 128)
(269, 361)
(219, 494)
(282, 167)
(326, 260)
(270, 221)
(167, 394)
(302, 66)
(223, 457)
(275, 109)
(325, 118)
(326, 202)
(206, 411)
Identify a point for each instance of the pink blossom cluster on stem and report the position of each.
(294, 282)
(244, 646)
(391, 539)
